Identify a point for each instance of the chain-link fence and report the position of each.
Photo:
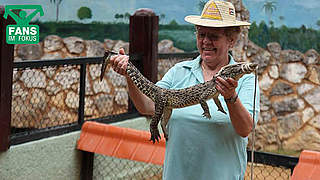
(166, 61)
(45, 94)
(267, 172)
(45, 97)
(106, 167)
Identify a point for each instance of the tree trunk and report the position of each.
(57, 12)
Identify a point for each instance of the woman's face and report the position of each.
(213, 44)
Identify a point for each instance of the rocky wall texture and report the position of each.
(290, 98)
(290, 92)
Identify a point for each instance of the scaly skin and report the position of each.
(167, 99)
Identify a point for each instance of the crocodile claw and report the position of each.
(206, 115)
(155, 135)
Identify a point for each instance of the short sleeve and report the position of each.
(247, 94)
(167, 80)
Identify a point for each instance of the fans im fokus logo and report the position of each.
(22, 32)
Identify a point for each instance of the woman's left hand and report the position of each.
(227, 88)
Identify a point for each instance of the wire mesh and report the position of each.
(110, 168)
(49, 96)
(266, 172)
(106, 97)
(165, 64)
(45, 97)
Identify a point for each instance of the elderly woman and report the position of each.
(201, 148)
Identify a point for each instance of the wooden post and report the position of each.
(6, 69)
(143, 39)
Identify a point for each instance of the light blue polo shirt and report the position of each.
(200, 148)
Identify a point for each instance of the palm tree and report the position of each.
(271, 23)
(269, 7)
(281, 18)
(162, 16)
(121, 16)
(57, 2)
(116, 16)
(127, 16)
(201, 5)
(318, 23)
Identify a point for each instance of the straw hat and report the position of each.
(216, 14)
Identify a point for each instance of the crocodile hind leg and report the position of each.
(205, 108)
(218, 104)
(164, 121)
(155, 134)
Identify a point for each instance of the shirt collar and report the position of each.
(195, 67)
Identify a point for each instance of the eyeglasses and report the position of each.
(211, 36)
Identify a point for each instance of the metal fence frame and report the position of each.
(272, 159)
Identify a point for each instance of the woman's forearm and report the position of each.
(143, 103)
(240, 118)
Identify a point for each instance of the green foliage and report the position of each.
(173, 23)
(97, 30)
(301, 39)
(318, 23)
(183, 37)
(123, 17)
(84, 13)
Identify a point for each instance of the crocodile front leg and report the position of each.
(155, 135)
(164, 121)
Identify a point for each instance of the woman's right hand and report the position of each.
(119, 62)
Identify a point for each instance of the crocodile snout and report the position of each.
(253, 66)
(249, 67)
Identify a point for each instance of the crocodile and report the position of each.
(166, 100)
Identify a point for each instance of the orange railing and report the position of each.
(308, 167)
(124, 143)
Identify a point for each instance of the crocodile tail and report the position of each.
(106, 60)
(142, 83)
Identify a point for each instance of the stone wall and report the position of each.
(290, 98)
(290, 92)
